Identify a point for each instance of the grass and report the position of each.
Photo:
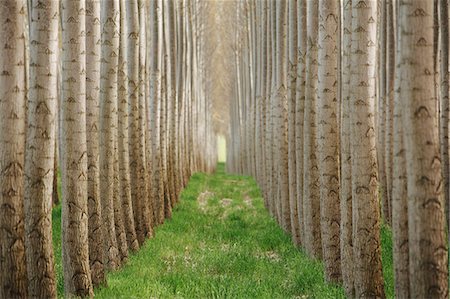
(220, 243)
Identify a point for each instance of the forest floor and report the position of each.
(220, 243)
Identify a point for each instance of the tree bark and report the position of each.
(428, 252)
(40, 143)
(95, 224)
(328, 137)
(75, 251)
(13, 277)
(365, 206)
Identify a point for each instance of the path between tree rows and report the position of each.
(220, 243)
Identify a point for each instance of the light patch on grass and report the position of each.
(203, 199)
(226, 202)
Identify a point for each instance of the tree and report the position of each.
(108, 127)
(428, 269)
(95, 224)
(300, 111)
(328, 137)
(292, 100)
(368, 276)
(13, 277)
(123, 140)
(77, 274)
(345, 188)
(311, 199)
(40, 148)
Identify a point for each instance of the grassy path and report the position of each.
(220, 243)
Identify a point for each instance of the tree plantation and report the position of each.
(340, 111)
(110, 109)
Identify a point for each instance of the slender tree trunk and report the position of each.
(123, 134)
(300, 111)
(345, 190)
(40, 149)
(282, 115)
(95, 224)
(144, 174)
(138, 193)
(311, 199)
(444, 102)
(75, 251)
(366, 215)
(292, 99)
(13, 275)
(399, 197)
(108, 128)
(428, 269)
(328, 136)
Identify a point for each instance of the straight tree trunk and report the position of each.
(328, 137)
(365, 206)
(40, 148)
(444, 102)
(292, 99)
(428, 255)
(137, 168)
(282, 115)
(311, 196)
(300, 110)
(74, 164)
(95, 224)
(345, 190)
(13, 277)
(399, 197)
(123, 125)
(108, 127)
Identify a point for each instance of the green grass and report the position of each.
(217, 250)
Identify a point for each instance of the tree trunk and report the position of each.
(292, 99)
(345, 190)
(124, 152)
(95, 224)
(75, 251)
(108, 127)
(365, 206)
(428, 267)
(40, 149)
(328, 137)
(300, 111)
(13, 276)
(311, 197)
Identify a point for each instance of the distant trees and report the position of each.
(358, 149)
(128, 140)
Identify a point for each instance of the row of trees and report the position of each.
(341, 107)
(119, 88)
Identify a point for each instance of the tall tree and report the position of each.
(311, 199)
(328, 136)
(137, 167)
(292, 99)
(345, 188)
(40, 148)
(13, 277)
(123, 135)
(428, 267)
(77, 274)
(300, 110)
(95, 224)
(108, 127)
(282, 113)
(366, 215)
